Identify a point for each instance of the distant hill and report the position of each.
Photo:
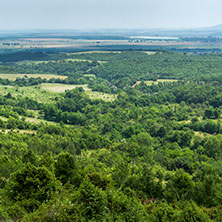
(216, 27)
(212, 28)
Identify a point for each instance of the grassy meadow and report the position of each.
(60, 88)
(47, 92)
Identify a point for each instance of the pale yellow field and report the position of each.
(167, 80)
(18, 131)
(59, 88)
(90, 52)
(150, 82)
(77, 60)
(42, 76)
(201, 134)
(150, 52)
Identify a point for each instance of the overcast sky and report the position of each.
(98, 14)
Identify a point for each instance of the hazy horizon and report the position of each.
(108, 14)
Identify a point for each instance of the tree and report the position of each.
(191, 212)
(64, 167)
(31, 186)
(179, 187)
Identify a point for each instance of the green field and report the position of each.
(150, 82)
(59, 88)
(33, 92)
(46, 92)
(90, 75)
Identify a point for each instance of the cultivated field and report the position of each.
(149, 52)
(91, 52)
(42, 76)
(59, 88)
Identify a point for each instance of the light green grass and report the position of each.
(38, 121)
(90, 75)
(3, 118)
(103, 96)
(33, 92)
(201, 134)
(47, 92)
(59, 88)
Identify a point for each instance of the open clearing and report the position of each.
(47, 92)
(150, 82)
(91, 52)
(90, 75)
(18, 131)
(149, 52)
(201, 134)
(33, 92)
(59, 88)
(42, 76)
(82, 60)
(27, 62)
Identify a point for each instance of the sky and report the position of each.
(108, 14)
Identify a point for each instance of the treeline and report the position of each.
(49, 67)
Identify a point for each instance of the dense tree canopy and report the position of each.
(151, 154)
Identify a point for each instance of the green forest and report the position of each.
(152, 154)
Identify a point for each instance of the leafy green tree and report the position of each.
(179, 187)
(64, 167)
(162, 212)
(31, 186)
(192, 213)
(92, 200)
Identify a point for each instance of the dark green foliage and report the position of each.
(31, 186)
(65, 167)
(163, 212)
(191, 212)
(179, 187)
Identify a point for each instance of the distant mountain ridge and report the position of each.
(216, 27)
